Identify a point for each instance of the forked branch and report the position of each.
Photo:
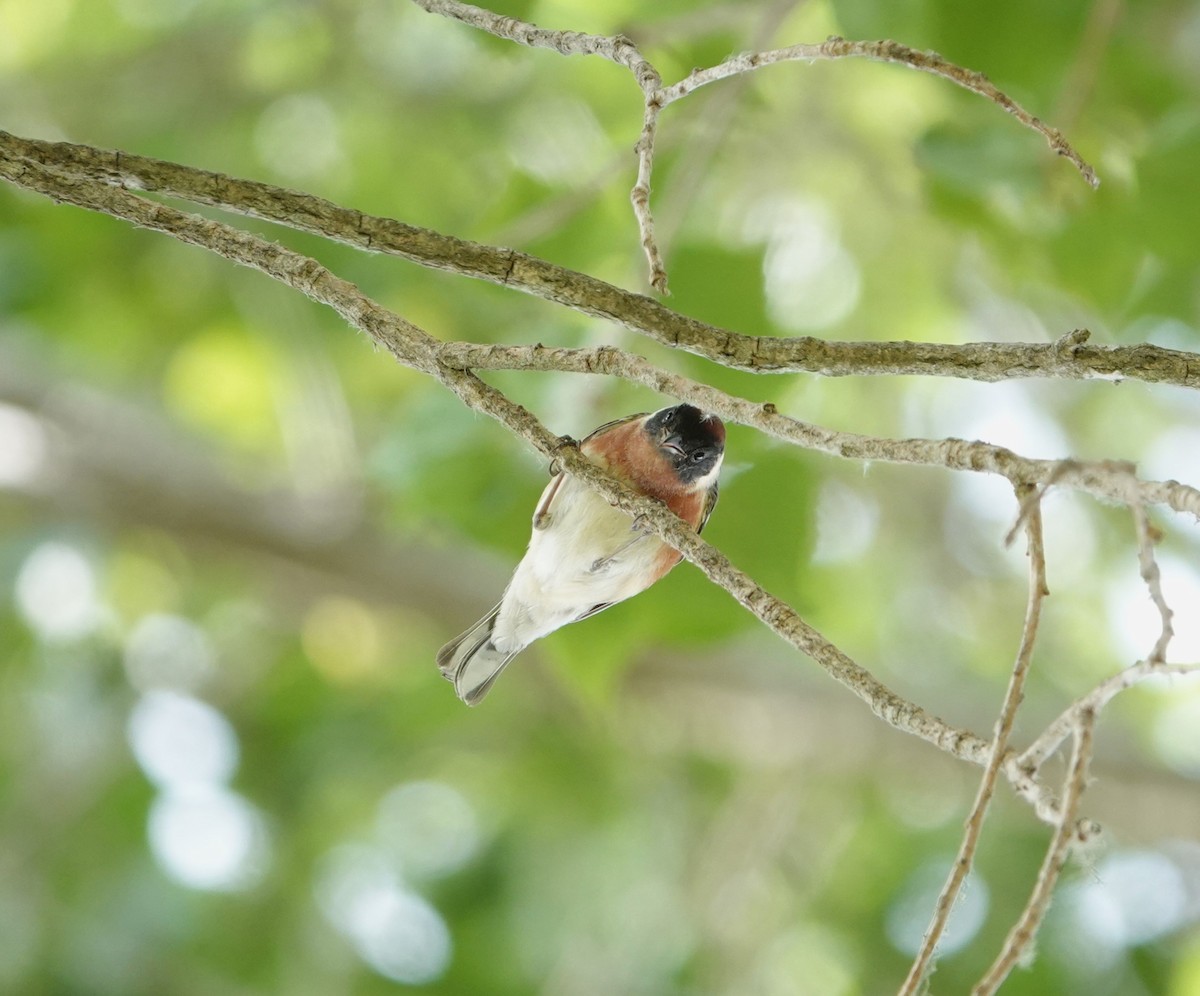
(655, 96)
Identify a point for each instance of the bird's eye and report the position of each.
(699, 455)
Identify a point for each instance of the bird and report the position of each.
(584, 554)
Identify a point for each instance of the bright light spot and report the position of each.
(910, 912)
(297, 137)
(401, 936)
(1006, 415)
(846, 524)
(1070, 538)
(181, 742)
(811, 280)
(557, 139)
(1176, 736)
(166, 651)
(429, 826)
(979, 514)
(22, 447)
(209, 838)
(56, 592)
(395, 931)
(988, 500)
(1174, 455)
(1136, 622)
(225, 380)
(1136, 896)
(347, 871)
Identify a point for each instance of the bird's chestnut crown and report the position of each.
(692, 441)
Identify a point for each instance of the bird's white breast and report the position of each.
(567, 569)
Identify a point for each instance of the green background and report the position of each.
(233, 535)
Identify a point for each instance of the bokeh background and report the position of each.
(232, 535)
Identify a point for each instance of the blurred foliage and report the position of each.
(228, 762)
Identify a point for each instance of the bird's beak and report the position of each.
(674, 444)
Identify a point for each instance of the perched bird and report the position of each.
(585, 555)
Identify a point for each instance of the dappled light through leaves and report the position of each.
(234, 531)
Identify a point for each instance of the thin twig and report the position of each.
(615, 48)
(1031, 514)
(693, 165)
(655, 97)
(416, 348)
(1110, 480)
(1020, 939)
(1147, 535)
(1071, 357)
(639, 196)
(1094, 701)
(884, 51)
(1032, 497)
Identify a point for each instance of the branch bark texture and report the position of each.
(1071, 357)
(121, 185)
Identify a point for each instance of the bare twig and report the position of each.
(1024, 931)
(616, 48)
(1094, 701)
(622, 51)
(1110, 480)
(445, 361)
(692, 167)
(97, 180)
(1031, 514)
(885, 51)
(1031, 498)
(1071, 357)
(417, 349)
(1147, 535)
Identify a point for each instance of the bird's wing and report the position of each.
(545, 507)
(593, 610)
(607, 426)
(710, 502)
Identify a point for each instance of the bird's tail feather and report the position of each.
(472, 662)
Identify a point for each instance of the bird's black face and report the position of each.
(692, 441)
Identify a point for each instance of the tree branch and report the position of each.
(1022, 935)
(622, 51)
(1071, 357)
(1110, 480)
(996, 754)
(1040, 751)
(885, 51)
(97, 180)
(417, 349)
